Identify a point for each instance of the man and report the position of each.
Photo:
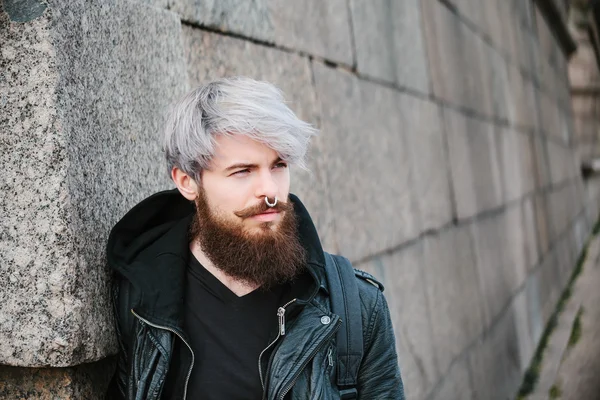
(221, 286)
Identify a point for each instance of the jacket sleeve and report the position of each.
(118, 386)
(379, 374)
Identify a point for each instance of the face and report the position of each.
(241, 174)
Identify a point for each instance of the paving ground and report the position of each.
(578, 375)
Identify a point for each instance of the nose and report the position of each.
(266, 186)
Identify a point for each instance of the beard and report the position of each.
(272, 256)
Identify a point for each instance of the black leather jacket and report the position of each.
(148, 250)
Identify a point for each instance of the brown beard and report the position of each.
(267, 258)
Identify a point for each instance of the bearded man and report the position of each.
(221, 285)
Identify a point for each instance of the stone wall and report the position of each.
(446, 166)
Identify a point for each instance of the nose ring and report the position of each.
(271, 204)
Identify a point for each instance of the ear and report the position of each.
(186, 185)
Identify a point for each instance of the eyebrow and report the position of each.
(248, 166)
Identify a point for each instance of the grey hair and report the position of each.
(231, 106)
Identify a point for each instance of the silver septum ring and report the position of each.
(271, 204)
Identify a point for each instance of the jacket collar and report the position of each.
(149, 247)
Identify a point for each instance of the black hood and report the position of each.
(149, 247)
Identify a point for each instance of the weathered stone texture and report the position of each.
(402, 275)
(454, 54)
(211, 56)
(474, 167)
(500, 259)
(456, 384)
(316, 27)
(453, 291)
(389, 42)
(429, 161)
(563, 166)
(87, 381)
(495, 362)
(99, 79)
(515, 160)
(368, 163)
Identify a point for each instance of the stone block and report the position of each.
(496, 77)
(389, 42)
(453, 290)
(495, 361)
(316, 27)
(541, 167)
(522, 109)
(562, 162)
(368, 163)
(456, 384)
(429, 160)
(528, 223)
(511, 168)
(498, 244)
(210, 56)
(475, 173)
(402, 274)
(83, 94)
(543, 224)
(454, 53)
(87, 381)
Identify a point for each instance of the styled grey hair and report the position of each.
(231, 106)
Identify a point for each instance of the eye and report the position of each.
(281, 165)
(241, 172)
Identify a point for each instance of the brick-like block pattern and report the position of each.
(454, 54)
(402, 275)
(84, 93)
(563, 165)
(320, 28)
(389, 42)
(516, 163)
(451, 282)
(429, 160)
(210, 56)
(495, 362)
(369, 171)
(456, 384)
(474, 165)
(498, 243)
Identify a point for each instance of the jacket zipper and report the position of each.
(182, 339)
(280, 333)
(308, 359)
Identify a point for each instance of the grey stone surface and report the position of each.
(474, 166)
(454, 54)
(563, 165)
(402, 275)
(541, 163)
(87, 381)
(456, 384)
(389, 42)
(495, 362)
(320, 28)
(368, 163)
(429, 160)
(500, 259)
(522, 101)
(514, 158)
(84, 126)
(453, 291)
(210, 56)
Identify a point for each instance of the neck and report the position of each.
(240, 288)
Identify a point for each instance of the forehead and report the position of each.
(241, 149)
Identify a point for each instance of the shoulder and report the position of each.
(365, 276)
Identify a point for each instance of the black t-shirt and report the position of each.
(227, 334)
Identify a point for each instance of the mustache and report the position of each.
(263, 207)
